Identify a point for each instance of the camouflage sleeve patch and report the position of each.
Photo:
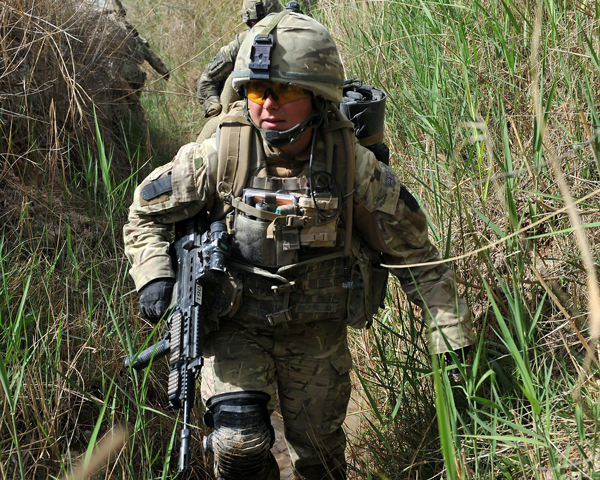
(385, 199)
(215, 63)
(156, 175)
(395, 214)
(182, 173)
(221, 65)
(148, 232)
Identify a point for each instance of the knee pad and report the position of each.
(242, 436)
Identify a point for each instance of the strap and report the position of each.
(312, 261)
(372, 140)
(157, 188)
(285, 220)
(231, 158)
(282, 316)
(265, 32)
(235, 139)
(274, 184)
(246, 267)
(350, 155)
(338, 125)
(238, 204)
(329, 146)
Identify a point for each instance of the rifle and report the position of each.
(199, 258)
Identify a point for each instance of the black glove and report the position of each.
(155, 298)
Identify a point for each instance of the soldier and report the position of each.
(214, 78)
(139, 48)
(311, 214)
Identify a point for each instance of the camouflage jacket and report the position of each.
(219, 68)
(386, 215)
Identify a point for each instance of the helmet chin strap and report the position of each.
(281, 138)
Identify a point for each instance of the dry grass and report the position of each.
(62, 65)
(187, 33)
(483, 116)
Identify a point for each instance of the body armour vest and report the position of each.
(290, 250)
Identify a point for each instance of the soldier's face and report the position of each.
(277, 107)
(272, 110)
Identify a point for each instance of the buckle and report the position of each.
(285, 288)
(226, 196)
(295, 221)
(282, 316)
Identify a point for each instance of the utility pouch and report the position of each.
(232, 289)
(250, 244)
(223, 297)
(321, 235)
(362, 305)
(379, 288)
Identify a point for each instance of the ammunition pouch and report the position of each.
(250, 243)
(271, 236)
(362, 305)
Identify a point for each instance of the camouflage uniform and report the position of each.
(301, 355)
(214, 76)
(213, 82)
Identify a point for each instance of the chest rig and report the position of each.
(291, 245)
(276, 221)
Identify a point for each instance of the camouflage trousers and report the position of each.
(307, 366)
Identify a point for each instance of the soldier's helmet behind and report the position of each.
(255, 10)
(303, 54)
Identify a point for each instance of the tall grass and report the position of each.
(67, 321)
(487, 111)
(68, 316)
(482, 101)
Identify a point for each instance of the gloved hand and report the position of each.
(212, 106)
(155, 298)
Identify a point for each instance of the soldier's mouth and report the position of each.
(272, 123)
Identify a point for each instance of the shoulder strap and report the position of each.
(347, 133)
(235, 141)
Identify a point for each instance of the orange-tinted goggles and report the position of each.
(282, 93)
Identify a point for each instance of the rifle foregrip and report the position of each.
(143, 359)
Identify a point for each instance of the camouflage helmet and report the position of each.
(303, 53)
(255, 10)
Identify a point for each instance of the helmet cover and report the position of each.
(255, 10)
(303, 53)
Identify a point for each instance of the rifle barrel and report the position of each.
(184, 449)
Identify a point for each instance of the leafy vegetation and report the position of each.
(492, 121)
(492, 114)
